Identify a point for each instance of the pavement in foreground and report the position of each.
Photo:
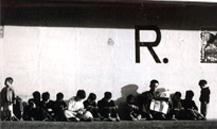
(110, 125)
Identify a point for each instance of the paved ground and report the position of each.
(111, 125)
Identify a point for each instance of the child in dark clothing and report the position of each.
(90, 105)
(59, 107)
(46, 106)
(132, 110)
(175, 106)
(190, 111)
(204, 97)
(29, 111)
(107, 107)
(188, 103)
(36, 98)
(18, 107)
(8, 100)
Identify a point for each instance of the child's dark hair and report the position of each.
(59, 96)
(92, 96)
(46, 96)
(130, 97)
(8, 79)
(108, 95)
(81, 94)
(202, 82)
(31, 102)
(178, 94)
(153, 82)
(190, 93)
(36, 94)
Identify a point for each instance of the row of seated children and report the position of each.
(184, 109)
(176, 109)
(136, 108)
(74, 110)
(44, 109)
(105, 109)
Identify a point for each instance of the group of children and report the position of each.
(176, 109)
(41, 108)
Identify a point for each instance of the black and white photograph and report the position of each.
(108, 64)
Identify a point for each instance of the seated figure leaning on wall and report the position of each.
(190, 109)
(175, 106)
(149, 100)
(59, 107)
(108, 108)
(91, 106)
(132, 110)
(46, 108)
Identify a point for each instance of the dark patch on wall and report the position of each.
(166, 15)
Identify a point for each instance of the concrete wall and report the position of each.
(98, 60)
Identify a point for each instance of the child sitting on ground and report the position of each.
(59, 107)
(132, 110)
(190, 111)
(29, 111)
(175, 106)
(107, 108)
(76, 111)
(91, 106)
(36, 98)
(46, 106)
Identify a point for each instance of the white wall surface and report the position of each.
(68, 59)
